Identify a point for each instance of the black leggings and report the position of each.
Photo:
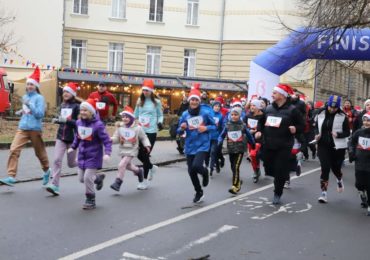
(330, 159)
(235, 161)
(195, 167)
(363, 182)
(144, 156)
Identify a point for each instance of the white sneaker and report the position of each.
(323, 198)
(340, 186)
(143, 185)
(152, 172)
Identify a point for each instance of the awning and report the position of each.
(88, 77)
(218, 85)
(159, 82)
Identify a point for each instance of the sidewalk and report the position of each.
(29, 167)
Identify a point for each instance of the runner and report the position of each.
(357, 124)
(29, 129)
(105, 101)
(332, 132)
(359, 151)
(128, 134)
(69, 111)
(149, 112)
(197, 123)
(237, 138)
(89, 141)
(216, 150)
(253, 120)
(282, 121)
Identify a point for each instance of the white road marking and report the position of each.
(170, 221)
(127, 256)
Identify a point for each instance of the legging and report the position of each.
(144, 156)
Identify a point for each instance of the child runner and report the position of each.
(237, 138)
(253, 120)
(197, 123)
(359, 152)
(69, 111)
(29, 129)
(215, 149)
(128, 134)
(90, 140)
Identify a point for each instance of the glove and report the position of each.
(55, 120)
(70, 150)
(106, 158)
(160, 126)
(62, 119)
(19, 112)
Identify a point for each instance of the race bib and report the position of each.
(26, 109)
(100, 105)
(127, 134)
(235, 136)
(66, 113)
(297, 145)
(85, 133)
(273, 121)
(252, 123)
(364, 143)
(217, 120)
(195, 122)
(144, 121)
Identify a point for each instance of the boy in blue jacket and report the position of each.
(215, 149)
(197, 123)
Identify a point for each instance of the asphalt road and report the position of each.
(162, 222)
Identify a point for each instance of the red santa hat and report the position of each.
(148, 84)
(302, 97)
(358, 108)
(72, 88)
(236, 101)
(194, 92)
(367, 116)
(284, 89)
(318, 104)
(220, 99)
(34, 79)
(89, 104)
(128, 111)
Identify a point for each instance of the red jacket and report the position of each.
(109, 100)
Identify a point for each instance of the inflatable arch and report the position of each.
(303, 44)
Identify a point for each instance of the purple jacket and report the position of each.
(90, 138)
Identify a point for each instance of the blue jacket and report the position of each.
(196, 142)
(217, 117)
(149, 115)
(33, 112)
(228, 117)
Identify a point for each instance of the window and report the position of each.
(119, 9)
(189, 63)
(192, 17)
(115, 56)
(78, 54)
(80, 6)
(153, 60)
(156, 10)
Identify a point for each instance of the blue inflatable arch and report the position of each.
(301, 45)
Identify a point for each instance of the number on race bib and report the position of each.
(144, 121)
(100, 105)
(364, 143)
(195, 122)
(128, 134)
(66, 113)
(235, 136)
(273, 121)
(252, 123)
(85, 133)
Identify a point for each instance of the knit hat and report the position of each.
(284, 89)
(34, 79)
(128, 111)
(194, 92)
(366, 102)
(334, 101)
(216, 102)
(358, 108)
(72, 88)
(148, 84)
(319, 104)
(257, 103)
(237, 110)
(89, 104)
(367, 116)
(235, 102)
(101, 83)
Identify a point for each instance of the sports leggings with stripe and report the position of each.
(235, 161)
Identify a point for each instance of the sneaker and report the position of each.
(89, 202)
(143, 185)
(256, 175)
(363, 198)
(313, 156)
(52, 189)
(117, 184)
(235, 189)
(222, 162)
(218, 170)
(298, 171)
(152, 172)
(99, 181)
(45, 177)
(9, 181)
(198, 198)
(323, 198)
(340, 186)
(276, 200)
(287, 185)
(211, 172)
(368, 211)
(205, 178)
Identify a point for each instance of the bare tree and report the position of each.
(6, 35)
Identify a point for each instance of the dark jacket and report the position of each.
(276, 122)
(359, 149)
(67, 131)
(300, 105)
(237, 137)
(357, 123)
(251, 124)
(183, 107)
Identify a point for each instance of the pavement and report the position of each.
(29, 167)
(162, 223)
